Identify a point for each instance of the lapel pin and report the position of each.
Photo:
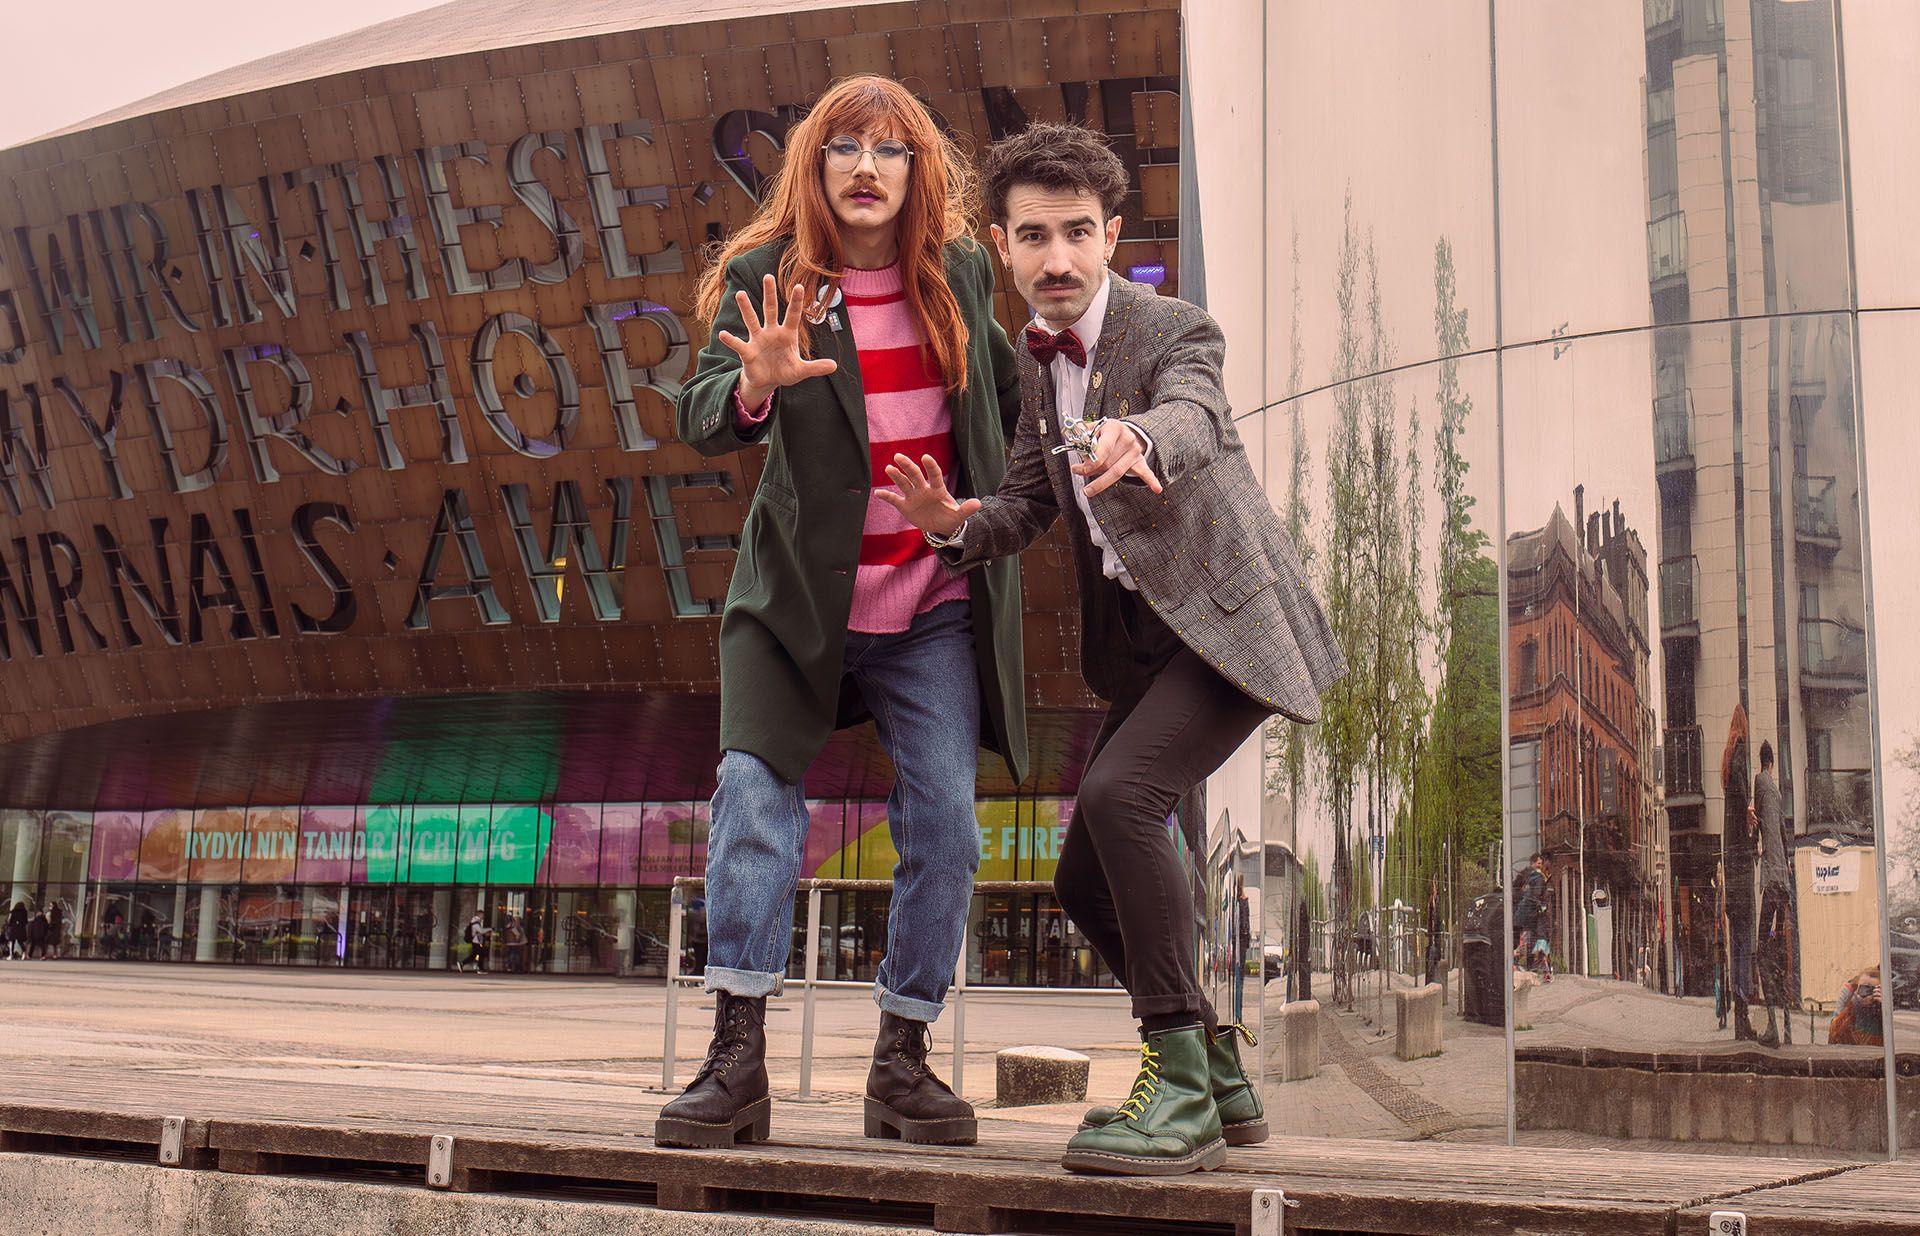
(1043, 424)
(826, 298)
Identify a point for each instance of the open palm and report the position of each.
(920, 495)
(770, 354)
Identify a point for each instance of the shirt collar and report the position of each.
(1087, 329)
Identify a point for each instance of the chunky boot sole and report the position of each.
(884, 1122)
(1243, 1133)
(752, 1123)
(1205, 1159)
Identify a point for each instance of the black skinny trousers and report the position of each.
(1120, 878)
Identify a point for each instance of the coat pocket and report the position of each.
(1249, 578)
(778, 497)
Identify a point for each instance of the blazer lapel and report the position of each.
(1122, 294)
(839, 346)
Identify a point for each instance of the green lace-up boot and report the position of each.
(1242, 1120)
(1168, 1126)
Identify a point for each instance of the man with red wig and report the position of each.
(852, 321)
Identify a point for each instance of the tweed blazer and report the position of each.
(1207, 553)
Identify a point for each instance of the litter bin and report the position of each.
(1482, 948)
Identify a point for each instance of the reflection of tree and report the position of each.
(1454, 810)
(1903, 839)
(1341, 736)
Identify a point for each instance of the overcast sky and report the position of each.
(82, 57)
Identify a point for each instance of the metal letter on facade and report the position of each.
(605, 200)
(674, 548)
(623, 379)
(383, 402)
(486, 392)
(571, 542)
(570, 251)
(180, 479)
(448, 219)
(259, 430)
(455, 521)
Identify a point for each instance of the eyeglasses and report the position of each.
(843, 154)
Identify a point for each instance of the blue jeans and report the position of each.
(924, 693)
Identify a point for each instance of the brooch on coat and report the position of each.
(826, 299)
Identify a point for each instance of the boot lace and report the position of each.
(912, 1047)
(1145, 1086)
(728, 1021)
(1231, 1028)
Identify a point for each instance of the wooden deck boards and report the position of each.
(599, 1135)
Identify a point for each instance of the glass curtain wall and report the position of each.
(1584, 333)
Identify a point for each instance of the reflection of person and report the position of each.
(56, 928)
(1530, 905)
(476, 937)
(1776, 899)
(1857, 1019)
(1197, 621)
(1737, 843)
(837, 605)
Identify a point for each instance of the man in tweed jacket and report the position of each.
(1198, 622)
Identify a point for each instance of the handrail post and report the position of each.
(812, 975)
(960, 1013)
(676, 902)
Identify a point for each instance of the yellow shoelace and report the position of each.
(1244, 1033)
(1146, 1085)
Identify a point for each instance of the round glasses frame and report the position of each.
(883, 159)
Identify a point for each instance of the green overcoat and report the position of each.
(784, 629)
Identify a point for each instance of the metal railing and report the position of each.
(811, 982)
(1840, 798)
(1830, 648)
(1672, 427)
(1681, 746)
(1679, 592)
(1667, 247)
(1815, 511)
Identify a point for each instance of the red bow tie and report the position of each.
(1046, 346)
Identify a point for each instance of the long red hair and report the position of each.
(941, 202)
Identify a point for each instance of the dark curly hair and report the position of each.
(1054, 156)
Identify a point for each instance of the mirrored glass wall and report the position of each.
(1571, 398)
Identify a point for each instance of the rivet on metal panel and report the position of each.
(440, 1162)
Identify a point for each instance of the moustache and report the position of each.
(1056, 285)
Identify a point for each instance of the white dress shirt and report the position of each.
(1070, 402)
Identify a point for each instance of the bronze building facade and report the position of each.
(352, 580)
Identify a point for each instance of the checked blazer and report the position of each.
(1207, 553)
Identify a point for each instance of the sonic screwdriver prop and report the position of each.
(1082, 436)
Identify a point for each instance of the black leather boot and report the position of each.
(904, 1098)
(727, 1102)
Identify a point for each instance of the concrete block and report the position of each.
(1523, 982)
(1030, 1076)
(41, 1193)
(1417, 1032)
(1293, 1040)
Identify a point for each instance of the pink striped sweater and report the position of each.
(899, 576)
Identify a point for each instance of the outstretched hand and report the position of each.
(770, 354)
(1120, 452)
(920, 495)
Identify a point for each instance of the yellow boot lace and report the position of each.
(1145, 1086)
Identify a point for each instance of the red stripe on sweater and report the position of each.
(886, 371)
(893, 548)
(884, 298)
(938, 445)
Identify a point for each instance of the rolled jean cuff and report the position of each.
(747, 983)
(1157, 1006)
(906, 1006)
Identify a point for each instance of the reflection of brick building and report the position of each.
(1578, 651)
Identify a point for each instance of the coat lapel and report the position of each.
(845, 380)
(1122, 294)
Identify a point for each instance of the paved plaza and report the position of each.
(599, 1040)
